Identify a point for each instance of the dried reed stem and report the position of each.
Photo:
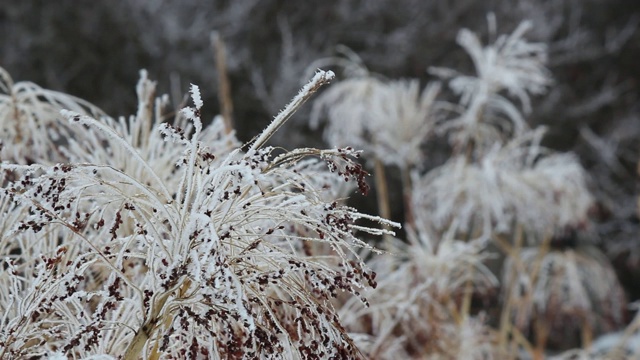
(382, 196)
(506, 326)
(406, 191)
(224, 86)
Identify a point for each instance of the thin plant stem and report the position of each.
(542, 331)
(147, 329)
(407, 187)
(465, 307)
(468, 294)
(542, 335)
(506, 326)
(521, 340)
(321, 78)
(586, 334)
(382, 196)
(224, 86)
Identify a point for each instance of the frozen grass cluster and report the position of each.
(494, 224)
(164, 238)
(159, 236)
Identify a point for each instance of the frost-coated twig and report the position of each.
(321, 78)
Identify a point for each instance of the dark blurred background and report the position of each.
(94, 50)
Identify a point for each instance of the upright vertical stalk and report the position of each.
(465, 306)
(407, 192)
(382, 196)
(513, 252)
(542, 335)
(224, 86)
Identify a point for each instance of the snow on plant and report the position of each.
(143, 140)
(417, 302)
(401, 119)
(567, 290)
(510, 64)
(183, 248)
(519, 181)
(329, 186)
(388, 119)
(347, 107)
(29, 120)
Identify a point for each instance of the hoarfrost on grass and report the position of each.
(390, 120)
(510, 64)
(166, 240)
(519, 181)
